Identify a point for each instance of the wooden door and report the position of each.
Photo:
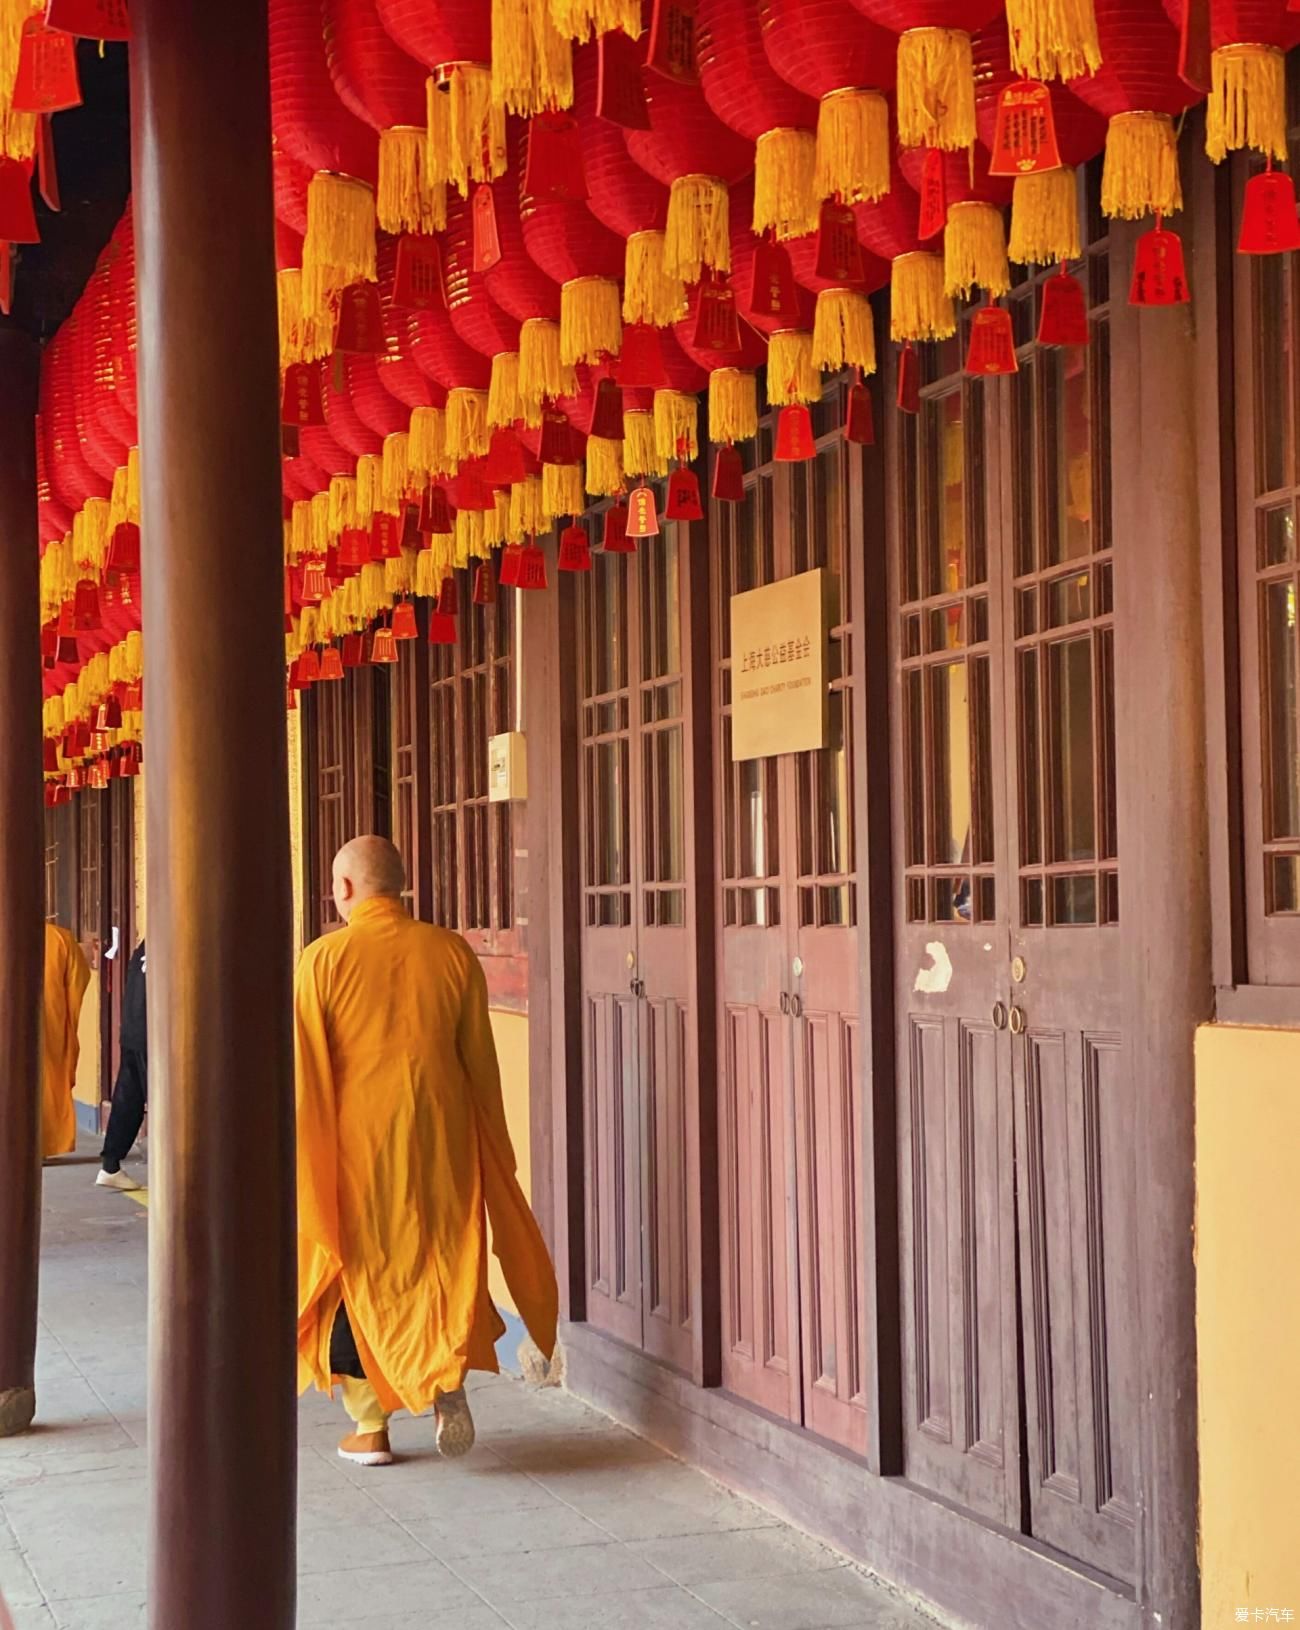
(637, 946)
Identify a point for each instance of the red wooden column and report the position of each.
(222, 1414)
(22, 873)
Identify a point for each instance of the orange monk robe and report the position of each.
(67, 974)
(404, 1157)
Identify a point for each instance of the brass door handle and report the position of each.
(1017, 1020)
(785, 1001)
(999, 1015)
(637, 987)
(796, 1006)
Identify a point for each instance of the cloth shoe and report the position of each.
(367, 1449)
(116, 1180)
(455, 1435)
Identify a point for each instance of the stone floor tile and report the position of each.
(126, 1612)
(585, 1570)
(342, 1547)
(549, 1527)
(762, 1553)
(382, 1591)
(81, 1538)
(822, 1600)
(665, 1608)
(34, 1618)
(632, 1515)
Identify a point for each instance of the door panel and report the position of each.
(613, 1164)
(663, 1077)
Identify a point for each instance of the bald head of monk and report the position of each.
(366, 868)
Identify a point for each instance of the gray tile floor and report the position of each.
(559, 1520)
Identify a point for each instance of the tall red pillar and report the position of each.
(222, 1411)
(22, 872)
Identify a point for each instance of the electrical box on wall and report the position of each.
(507, 768)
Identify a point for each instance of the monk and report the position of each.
(404, 1159)
(67, 974)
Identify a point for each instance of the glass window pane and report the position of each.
(609, 811)
(1276, 536)
(1069, 410)
(670, 812)
(950, 764)
(914, 759)
(1272, 369)
(1074, 899)
(952, 900)
(832, 793)
(981, 752)
(1031, 770)
(1284, 883)
(1071, 773)
(1280, 709)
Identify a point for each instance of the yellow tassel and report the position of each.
(426, 446)
(532, 62)
(466, 424)
(527, 517)
(676, 425)
(650, 295)
(975, 251)
(733, 405)
(542, 373)
(409, 200)
(503, 390)
(641, 454)
(496, 521)
(591, 321)
(133, 486)
(844, 335)
(791, 374)
(1247, 105)
(579, 19)
(852, 147)
(562, 490)
(339, 248)
(699, 230)
(288, 307)
(467, 535)
(90, 536)
(428, 580)
(919, 309)
(320, 523)
(396, 478)
(936, 89)
(1045, 218)
(467, 135)
(785, 197)
(1140, 173)
(17, 130)
(1053, 39)
(370, 467)
(604, 467)
(343, 504)
(300, 530)
(117, 500)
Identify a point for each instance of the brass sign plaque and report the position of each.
(778, 667)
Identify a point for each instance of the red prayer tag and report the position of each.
(934, 195)
(442, 629)
(448, 598)
(575, 551)
(728, 475)
(794, 434)
(772, 291)
(614, 539)
(532, 568)
(385, 538)
(717, 327)
(642, 519)
(90, 19)
(354, 650)
(908, 396)
(683, 502)
(435, 515)
(1024, 141)
(839, 254)
(556, 445)
(485, 586)
(1063, 319)
(301, 400)
(859, 424)
(607, 411)
(505, 459)
(404, 624)
(1159, 275)
(17, 212)
(620, 94)
(1194, 46)
(671, 51)
(554, 168)
(47, 169)
(487, 242)
(46, 80)
(472, 491)
(640, 364)
(361, 322)
(417, 274)
(1269, 224)
(992, 348)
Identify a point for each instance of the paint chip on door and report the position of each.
(935, 979)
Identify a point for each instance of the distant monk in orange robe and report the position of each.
(67, 974)
(404, 1158)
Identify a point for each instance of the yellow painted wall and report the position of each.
(511, 1033)
(1248, 1318)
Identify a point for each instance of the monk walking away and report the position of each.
(404, 1160)
(67, 975)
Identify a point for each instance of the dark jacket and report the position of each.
(134, 1036)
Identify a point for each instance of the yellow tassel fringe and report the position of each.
(503, 390)
(543, 374)
(919, 309)
(844, 335)
(1053, 39)
(1247, 105)
(699, 231)
(339, 248)
(426, 443)
(562, 490)
(532, 62)
(408, 200)
(641, 454)
(975, 251)
(791, 376)
(527, 517)
(733, 405)
(591, 321)
(650, 294)
(579, 19)
(852, 162)
(466, 424)
(1140, 173)
(676, 426)
(936, 89)
(342, 504)
(1045, 218)
(785, 198)
(467, 132)
(604, 467)
(396, 481)
(17, 130)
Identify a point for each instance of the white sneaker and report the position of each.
(116, 1180)
(455, 1436)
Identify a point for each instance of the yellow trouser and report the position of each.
(362, 1404)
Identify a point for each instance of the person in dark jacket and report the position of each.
(130, 1090)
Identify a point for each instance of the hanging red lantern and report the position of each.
(620, 193)
(90, 19)
(309, 120)
(1246, 108)
(475, 315)
(935, 80)
(290, 179)
(396, 367)
(442, 356)
(341, 418)
(515, 280)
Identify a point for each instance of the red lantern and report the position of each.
(620, 95)
(515, 280)
(620, 194)
(374, 78)
(308, 119)
(475, 315)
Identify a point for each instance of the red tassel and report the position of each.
(532, 568)
(839, 254)
(794, 435)
(404, 625)
(448, 599)
(558, 443)
(640, 365)
(46, 80)
(90, 19)
(859, 423)
(992, 348)
(361, 322)
(934, 195)
(575, 551)
(672, 41)
(554, 168)
(485, 586)
(908, 396)
(728, 475)
(47, 169)
(417, 274)
(1063, 319)
(683, 502)
(442, 629)
(772, 291)
(487, 241)
(642, 519)
(607, 410)
(614, 539)
(17, 212)
(354, 650)
(620, 95)
(435, 514)
(302, 402)
(505, 463)
(1269, 225)
(510, 557)
(717, 327)
(1024, 141)
(1159, 276)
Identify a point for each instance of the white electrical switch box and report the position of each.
(507, 768)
